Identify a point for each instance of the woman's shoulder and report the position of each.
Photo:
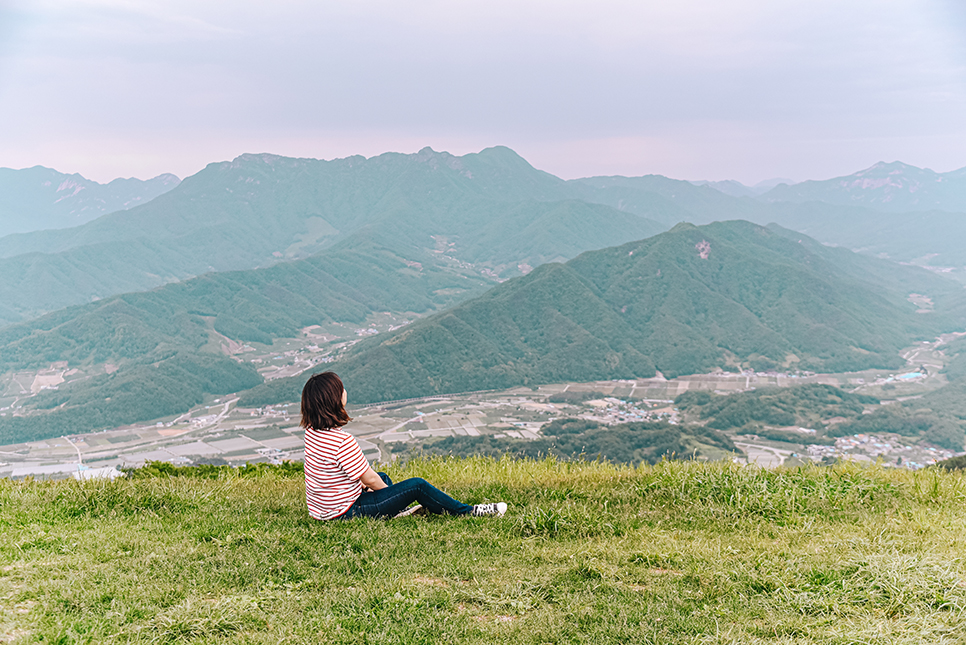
(328, 434)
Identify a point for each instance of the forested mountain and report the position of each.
(927, 238)
(492, 208)
(39, 198)
(890, 210)
(343, 285)
(725, 295)
(919, 236)
(690, 300)
(166, 343)
(893, 187)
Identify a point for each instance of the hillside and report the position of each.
(344, 285)
(805, 406)
(259, 210)
(677, 553)
(148, 337)
(925, 238)
(863, 220)
(39, 198)
(893, 187)
(571, 439)
(728, 295)
(943, 411)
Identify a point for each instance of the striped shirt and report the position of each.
(333, 465)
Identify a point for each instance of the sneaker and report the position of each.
(413, 510)
(497, 509)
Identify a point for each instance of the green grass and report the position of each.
(681, 552)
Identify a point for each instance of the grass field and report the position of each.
(682, 552)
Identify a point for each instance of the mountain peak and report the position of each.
(682, 226)
(892, 168)
(503, 156)
(435, 159)
(259, 157)
(768, 184)
(499, 152)
(167, 179)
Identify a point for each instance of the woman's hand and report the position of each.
(371, 480)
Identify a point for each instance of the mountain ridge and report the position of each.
(261, 209)
(40, 198)
(167, 337)
(887, 186)
(690, 300)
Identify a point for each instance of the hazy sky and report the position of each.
(695, 89)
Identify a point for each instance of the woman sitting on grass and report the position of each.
(340, 484)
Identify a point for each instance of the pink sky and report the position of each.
(740, 89)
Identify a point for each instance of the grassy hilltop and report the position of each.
(681, 552)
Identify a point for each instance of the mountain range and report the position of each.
(490, 208)
(41, 198)
(166, 345)
(727, 295)
(256, 249)
(891, 187)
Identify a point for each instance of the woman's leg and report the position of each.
(390, 501)
(436, 501)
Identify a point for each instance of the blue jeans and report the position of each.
(396, 497)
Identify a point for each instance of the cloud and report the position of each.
(120, 21)
(696, 83)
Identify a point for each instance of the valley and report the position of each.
(220, 431)
(315, 346)
(425, 276)
(746, 306)
(729, 295)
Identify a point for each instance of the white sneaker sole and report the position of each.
(415, 510)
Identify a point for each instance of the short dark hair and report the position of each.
(322, 407)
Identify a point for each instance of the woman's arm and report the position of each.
(372, 480)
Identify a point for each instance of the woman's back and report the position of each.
(333, 464)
